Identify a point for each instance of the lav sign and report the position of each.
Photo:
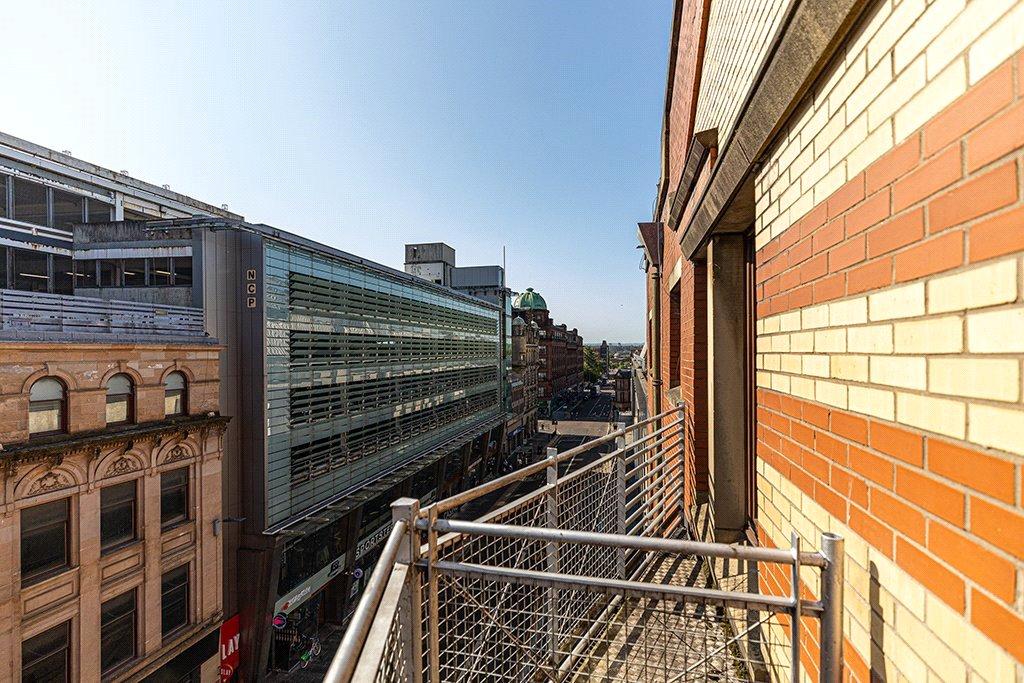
(229, 655)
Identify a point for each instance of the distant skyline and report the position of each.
(369, 125)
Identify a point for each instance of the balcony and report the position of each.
(593, 575)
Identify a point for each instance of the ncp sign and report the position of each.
(229, 656)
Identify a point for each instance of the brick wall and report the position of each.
(890, 231)
(79, 474)
(739, 34)
(683, 347)
(84, 369)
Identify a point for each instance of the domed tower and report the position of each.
(530, 300)
(531, 306)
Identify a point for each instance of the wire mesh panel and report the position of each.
(580, 580)
(397, 661)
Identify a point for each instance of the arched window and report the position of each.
(120, 400)
(47, 407)
(175, 395)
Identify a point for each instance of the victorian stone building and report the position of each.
(560, 349)
(110, 505)
(523, 381)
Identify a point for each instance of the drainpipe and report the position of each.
(656, 337)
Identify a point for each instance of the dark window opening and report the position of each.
(183, 270)
(63, 278)
(117, 631)
(173, 497)
(85, 273)
(99, 212)
(4, 180)
(30, 202)
(117, 515)
(160, 272)
(110, 274)
(31, 270)
(44, 540)
(134, 272)
(68, 209)
(174, 589)
(45, 658)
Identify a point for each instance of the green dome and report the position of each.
(530, 299)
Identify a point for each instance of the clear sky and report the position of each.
(366, 125)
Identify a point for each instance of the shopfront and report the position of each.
(314, 573)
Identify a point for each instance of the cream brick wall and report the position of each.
(943, 356)
(739, 35)
(931, 642)
(910, 60)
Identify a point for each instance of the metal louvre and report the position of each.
(321, 297)
(319, 402)
(313, 458)
(365, 372)
(324, 348)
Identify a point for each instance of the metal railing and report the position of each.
(589, 576)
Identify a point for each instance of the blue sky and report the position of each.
(367, 125)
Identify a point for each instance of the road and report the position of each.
(591, 409)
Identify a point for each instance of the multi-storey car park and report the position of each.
(349, 383)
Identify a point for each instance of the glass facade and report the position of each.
(365, 371)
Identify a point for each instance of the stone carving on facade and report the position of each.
(51, 481)
(179, 452)
(122, 465)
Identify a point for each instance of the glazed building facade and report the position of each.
(111, 497)
(352, 384)
(836, 256)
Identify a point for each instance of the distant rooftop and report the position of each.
(47, 159)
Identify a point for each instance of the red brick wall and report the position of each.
(683, 353)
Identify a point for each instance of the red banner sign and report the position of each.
(229, 656)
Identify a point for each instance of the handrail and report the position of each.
(666, 545)
(344, 662)
(637, 589)
(458, 499)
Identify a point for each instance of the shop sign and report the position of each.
(303, 591)
(373, 539)
(229, 656)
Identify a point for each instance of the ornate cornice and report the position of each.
(54, 448)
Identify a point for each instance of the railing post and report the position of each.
(794, 633)
(620, 503)
(832, 601)
(433, 620)
(552, 553)
(412, 636)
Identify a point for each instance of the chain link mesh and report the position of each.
(506, 628)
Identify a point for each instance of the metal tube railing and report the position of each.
(458, 499)
(664, 545)
(345, 659)
(454, 605)
(633, 589)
